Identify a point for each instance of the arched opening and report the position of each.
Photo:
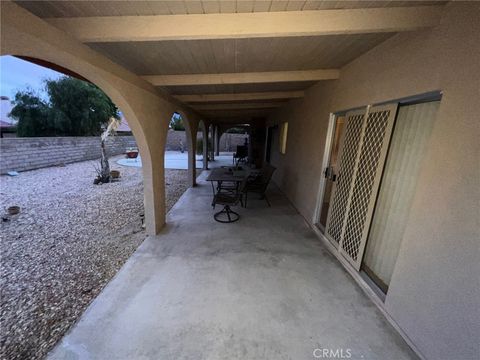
(192, 127)
(70, 236)
(139, 101)
(201, 146)
(231, 136)
(180, 161)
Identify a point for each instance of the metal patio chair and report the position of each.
(228, 199)
(260, 183)
(240, 156)
(230, 186)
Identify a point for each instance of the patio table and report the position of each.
(231, 175)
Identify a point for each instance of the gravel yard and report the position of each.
(68, 241)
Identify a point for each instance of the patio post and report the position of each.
(192, 129)
(205, 145)
(217, 141)
(212, 137)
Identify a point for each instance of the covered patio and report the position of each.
(262, 288)
(367, 111)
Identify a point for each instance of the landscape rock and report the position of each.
(69, 241)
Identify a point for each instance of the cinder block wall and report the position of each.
(21, 154)
(228, 142)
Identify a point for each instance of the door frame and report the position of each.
(268, 145)
(326, 159)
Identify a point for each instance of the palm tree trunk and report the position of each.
(105, 166)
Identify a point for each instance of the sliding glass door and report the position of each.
(363, 152)
(375, 162)
(404, 161)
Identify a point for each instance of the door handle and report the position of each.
(326, 172)
(329, 174)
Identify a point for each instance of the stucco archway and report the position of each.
(191, 129)
(123, 106)
(147, 112)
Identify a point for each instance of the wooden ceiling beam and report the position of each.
(235, 113)
(242, 120)
(238, 106)
(201, 98)
(249, 25)
(242, 78)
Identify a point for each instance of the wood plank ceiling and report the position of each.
(59, 9)
(238, 101)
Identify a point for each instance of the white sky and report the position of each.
(17, 74)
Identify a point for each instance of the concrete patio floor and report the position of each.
(261, 288)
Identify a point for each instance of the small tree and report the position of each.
(74, 108)
(176, 123)
(104, 171)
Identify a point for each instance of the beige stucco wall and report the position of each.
(434, 295)
(299, 169)
(148, 111)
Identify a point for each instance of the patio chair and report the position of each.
(228, 185)
(227, 199)
(240, 156)
(260, 183)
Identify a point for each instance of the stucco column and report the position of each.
(217, 140)
(250, 144)
(152, 148)
(191, 133)
(205, 146)
(212, 143)
(154, 194)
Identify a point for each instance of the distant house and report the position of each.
(7, 124)
(124, 128)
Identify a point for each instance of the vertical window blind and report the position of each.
(407, 148)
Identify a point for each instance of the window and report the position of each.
(283, 137)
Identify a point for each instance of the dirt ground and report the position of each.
(69, 240)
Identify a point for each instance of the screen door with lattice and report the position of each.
(349, 145)
(364, 148)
